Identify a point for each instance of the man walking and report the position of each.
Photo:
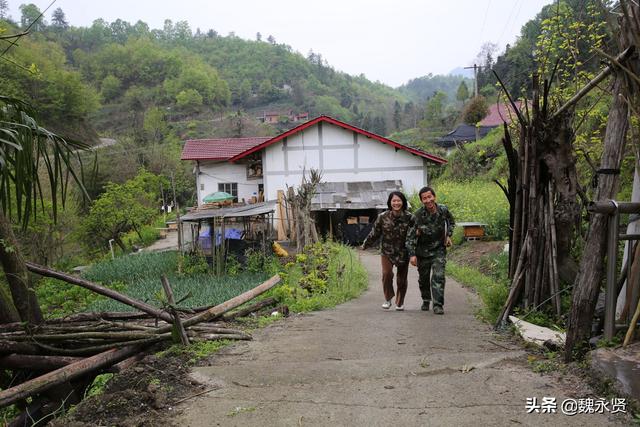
(427, 241)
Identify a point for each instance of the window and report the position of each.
(229, 187)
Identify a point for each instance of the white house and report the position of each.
(250, 167)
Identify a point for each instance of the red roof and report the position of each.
(219, 148)
(415, 151)
(500, 113)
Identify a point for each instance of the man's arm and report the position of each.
(412, 240)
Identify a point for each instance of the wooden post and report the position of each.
(282, 235)
(177, 323)
(175, 201)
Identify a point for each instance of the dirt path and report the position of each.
(360, 365)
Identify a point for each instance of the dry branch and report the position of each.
(251, 309)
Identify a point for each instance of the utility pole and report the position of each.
(475, 87)
(475, 78)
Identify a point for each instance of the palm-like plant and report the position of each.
(32, 159)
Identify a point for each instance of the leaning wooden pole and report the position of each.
(226, 306)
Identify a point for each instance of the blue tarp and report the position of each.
(230, 233)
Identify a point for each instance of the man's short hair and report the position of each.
(424, 190)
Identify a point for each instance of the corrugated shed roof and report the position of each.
(219, 148)
(231, 212)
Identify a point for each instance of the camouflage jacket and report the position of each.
(392, 231)
(430, 231)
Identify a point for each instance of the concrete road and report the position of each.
(359, 365)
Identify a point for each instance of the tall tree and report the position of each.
(4, 9)
(396, 115)
(31, 17)
(59, 20)
(463, 92)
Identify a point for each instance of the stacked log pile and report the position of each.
(73, 350)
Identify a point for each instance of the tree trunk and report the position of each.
(587, 283)
(15, 270)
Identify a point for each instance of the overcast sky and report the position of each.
(387, 40)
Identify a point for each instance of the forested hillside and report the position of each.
(122, 79)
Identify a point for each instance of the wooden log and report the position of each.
(95, 349)
(201, 327)
(36, 362)
(86, 335)
(126, 363)
(64, 374)
(212, 337)
(226, 306)
(250, 309)
(177, 323)
(10, 347)
(45, 271)
(88, 317)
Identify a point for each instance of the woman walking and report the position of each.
(391, 227)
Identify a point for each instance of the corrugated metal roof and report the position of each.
(219, 148)
(354, 195)
(233, 212)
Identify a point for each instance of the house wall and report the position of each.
(210, 174)
(342, 155)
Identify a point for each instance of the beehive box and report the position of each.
(473, 230)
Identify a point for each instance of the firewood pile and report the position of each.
(71, 351)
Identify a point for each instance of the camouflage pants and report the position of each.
(431, 277)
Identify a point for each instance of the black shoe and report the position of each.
(425, 305)
(438, 309)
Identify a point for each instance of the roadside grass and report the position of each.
(492, 293)
(493, 288)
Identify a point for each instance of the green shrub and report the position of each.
(325, 275)
(190, 264)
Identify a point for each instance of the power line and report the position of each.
(484, 21)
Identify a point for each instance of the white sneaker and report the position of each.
(399, 307)
(386, 305)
